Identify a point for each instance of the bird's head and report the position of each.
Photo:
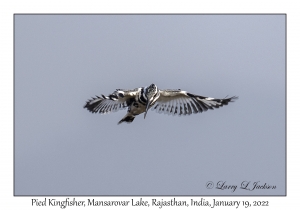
(152, 94)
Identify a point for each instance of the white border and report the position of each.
(8, 8)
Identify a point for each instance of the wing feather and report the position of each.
(178, 102)
(189, 110)
(173, 104)
(119, 99)
(182, 106)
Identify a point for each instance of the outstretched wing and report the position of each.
(119, 99)
(178, 102)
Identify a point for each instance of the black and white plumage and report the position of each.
(140, 100)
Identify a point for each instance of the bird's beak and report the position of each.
(147, 107)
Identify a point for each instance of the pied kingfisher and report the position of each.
(139, 100)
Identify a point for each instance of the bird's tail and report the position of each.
(127, 118)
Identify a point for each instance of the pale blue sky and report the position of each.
(63, 60)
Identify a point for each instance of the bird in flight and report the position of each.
(140, 100)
